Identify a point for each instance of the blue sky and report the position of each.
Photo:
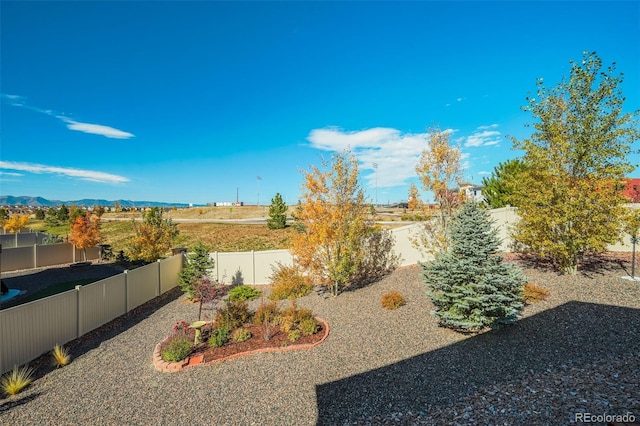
(190, 102)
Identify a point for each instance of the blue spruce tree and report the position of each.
(470, 285)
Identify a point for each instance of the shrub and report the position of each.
(176, 349)
(288, 281)
(291, 317)
(241, 335)
(309, 326)
(16, 380)
(266, 312)
(219, 337)
(233, 315)
(534, 293)
(60, 356)
(392, 300)
(294, 335)
(243, 292)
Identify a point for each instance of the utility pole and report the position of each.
(258, 179)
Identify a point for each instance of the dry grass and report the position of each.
(234, 237)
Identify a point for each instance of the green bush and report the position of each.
(309, 326)
(294, 335)
(219, 337)
(287, 282)
(243, 292)
(241, 335)
(233, 315)
(176, 349)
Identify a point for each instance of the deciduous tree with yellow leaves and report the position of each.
(569, 197)
(336, 244)
(440, 171)
(16, 223)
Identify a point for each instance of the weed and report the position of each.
(16, 380)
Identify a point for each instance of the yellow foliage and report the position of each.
(16, 223)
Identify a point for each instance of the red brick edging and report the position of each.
(171, 367)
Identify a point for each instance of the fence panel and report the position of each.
(235, 268)
(30, 330)
(16, 258)
(102, 301)
(169, 270)
(403, 245)
(27, 239)
(92, 254)
(8, 240)
(265, 261)
(54, 254)
(142, 285)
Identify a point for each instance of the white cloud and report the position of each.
(483, 137)
(483, 172)
(396, 154)
(95, 129)
(70, 172)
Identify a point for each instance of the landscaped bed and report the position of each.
(575, 352)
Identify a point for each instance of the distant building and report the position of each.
(632, 190)
(473, 192)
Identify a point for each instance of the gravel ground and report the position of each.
(576, 352)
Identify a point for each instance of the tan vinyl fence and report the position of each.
(30, 330)
(21, 239)
(36, 256)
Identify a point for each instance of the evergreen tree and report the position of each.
(198, 264)
(277, 213)
(469, 285)
(63, 214)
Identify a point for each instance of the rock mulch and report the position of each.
(576, 352)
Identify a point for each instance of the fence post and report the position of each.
(35, 255)
(217, 265)
(253, 266)
(159, 289)
(126, 289)
(80, 312)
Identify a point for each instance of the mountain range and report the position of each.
(10, 200)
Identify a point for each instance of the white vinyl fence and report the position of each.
(32, 329)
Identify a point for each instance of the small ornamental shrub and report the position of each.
(287, 282)
(291, 317)
(60, 356)
(243, 292)
(16, 380)
(181, 327)
(294, 335)
(177, 348)
(233, 315)
(534, 293)
(392, 300)
(309, 326)
(241, 335)
(267, 312)
(219, 337)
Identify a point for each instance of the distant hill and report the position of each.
(10, 200)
